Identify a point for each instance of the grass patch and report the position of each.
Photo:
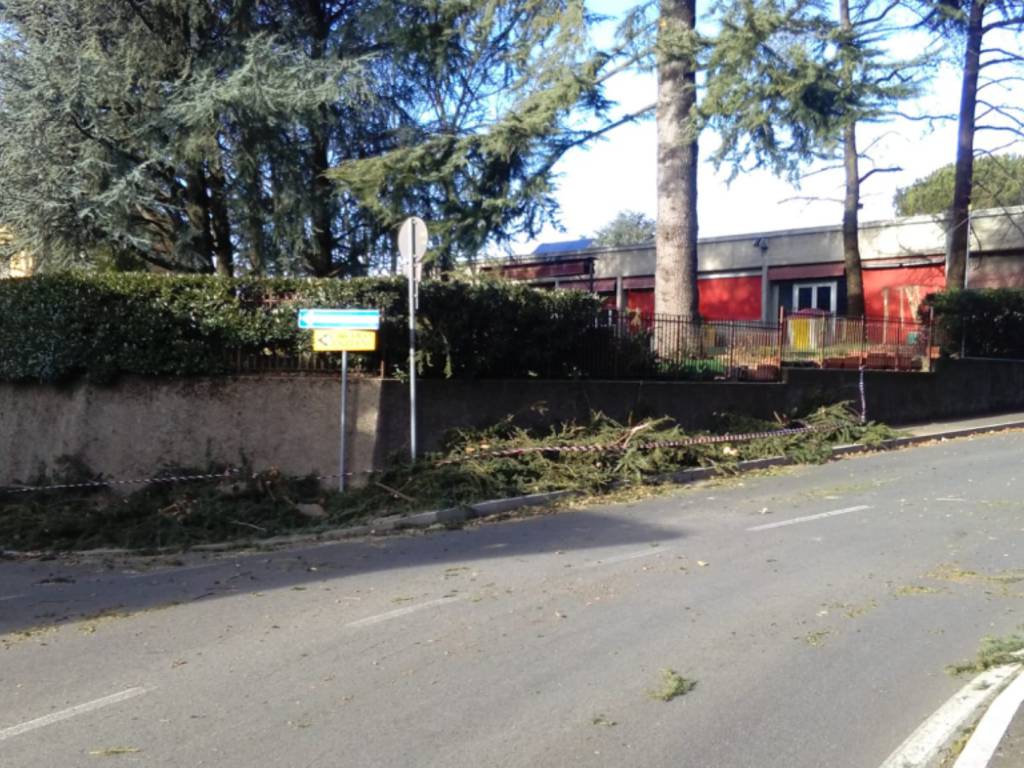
(113, 751)
(994, 652)
(954, 750)
(817, 639)
(910, 590)
(673, 685)
(617, 464)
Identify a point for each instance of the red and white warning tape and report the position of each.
(621, 446)
(616, 447)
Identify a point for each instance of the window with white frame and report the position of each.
(815, 296)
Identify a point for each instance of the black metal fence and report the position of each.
(825, 341)
(632, 345)
(621, 345)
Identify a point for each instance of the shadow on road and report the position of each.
(38, 593)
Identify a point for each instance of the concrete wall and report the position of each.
(137, 427)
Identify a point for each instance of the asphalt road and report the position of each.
(814, 642)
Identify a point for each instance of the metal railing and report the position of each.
(622, 345)
(825, 341)
(278, 361)
(655, 346)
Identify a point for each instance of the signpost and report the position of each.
(342, 330)
(356, 319)
(344, 340)
(412, 244)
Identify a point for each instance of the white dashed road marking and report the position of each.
(624, 557)
(64, 714)
(381, 617)
(809, 518)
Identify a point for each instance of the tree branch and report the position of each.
(142, 16)
(1012, 21)
(1001, 129)
(881, 16)
(811, 199)
(1002, 81)
(891, 169)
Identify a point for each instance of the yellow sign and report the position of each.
(344, 340)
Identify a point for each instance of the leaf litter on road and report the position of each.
(673, 685)
(113, 751)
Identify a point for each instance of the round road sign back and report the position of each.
(412, 239)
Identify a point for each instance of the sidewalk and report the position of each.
(1010, 750)
(966, 426)
(998, 737)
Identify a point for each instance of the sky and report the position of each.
(618, 173)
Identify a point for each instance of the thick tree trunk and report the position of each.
(851, 201)
(851, 224)
(221, 222)
(255, 206)
(958, 240)
(322, 256)
(322, 207)
(675, 278)
(197, 209)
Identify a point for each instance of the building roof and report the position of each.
(564, 246)
(993, 232)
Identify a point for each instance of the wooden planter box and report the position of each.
(765, 373)
(880, 361)
(849, 362)
(852, 362)
(908, 363)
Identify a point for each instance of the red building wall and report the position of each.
(896, 293)
(640, 300)
(721, 298)
(730, 298)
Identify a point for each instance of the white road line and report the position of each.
(9, 597)
(924, 744)
(64, 714)
(624, 557)
(809, 518)
(380, 617)
(986, 737)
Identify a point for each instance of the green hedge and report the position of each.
(980, 323)
(56, 327)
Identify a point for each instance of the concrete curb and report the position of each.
(480, 509)
(992, 726)
(927, 745)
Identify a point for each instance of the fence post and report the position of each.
(821, 341)
(781, 331)
(863, 341)
(732, 349)
(615, 327)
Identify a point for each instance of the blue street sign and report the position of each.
(353, 319)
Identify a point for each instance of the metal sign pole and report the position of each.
(412, 244)
(343, 420)
(412, 341)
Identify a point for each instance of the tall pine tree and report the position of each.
(789, 82)
(985, 63)
(203, 135)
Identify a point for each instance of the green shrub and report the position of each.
(980, 323)
(56, 327)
